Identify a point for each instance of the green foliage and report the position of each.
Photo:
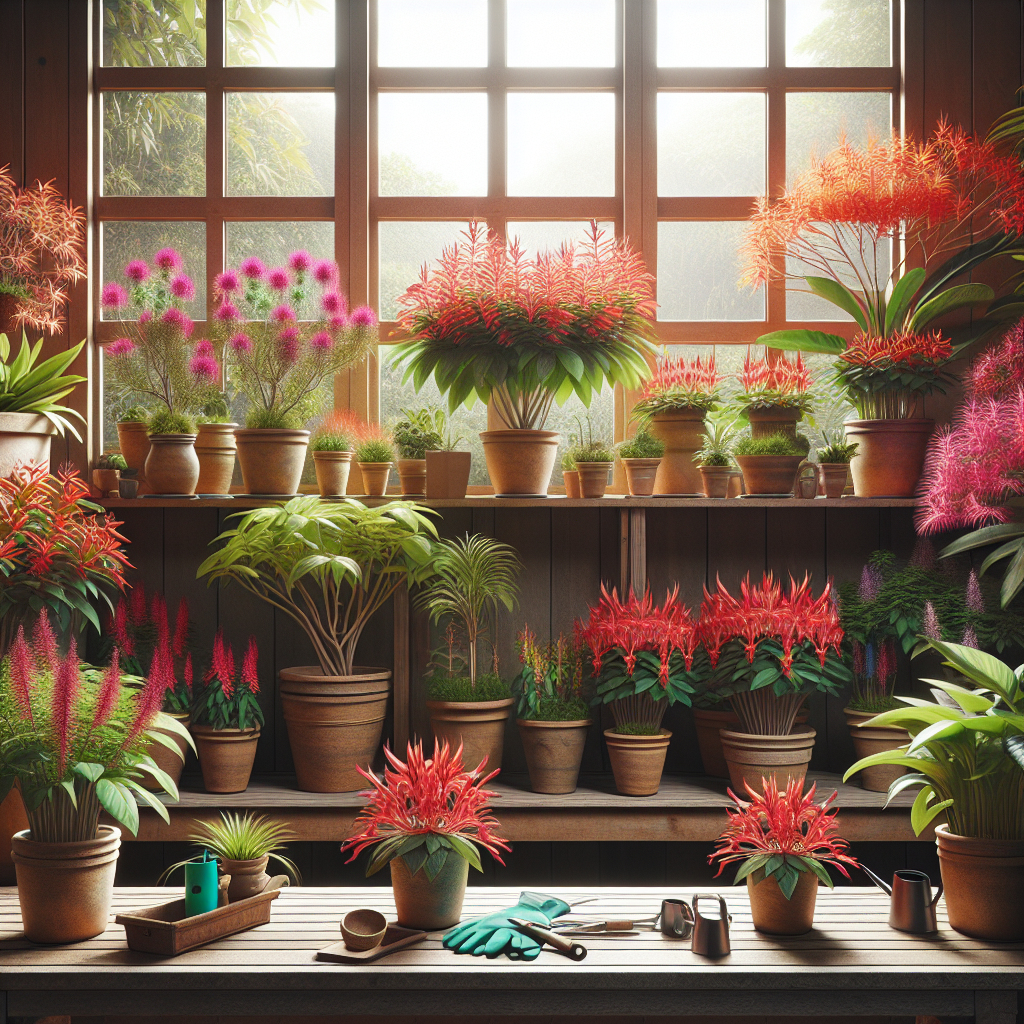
(716, 450)
(375, 449)
(216, 410)
(552, 709)
(461, 688)
(420, 432)
(238, 709)
(553, 685)
(167, 422)
(777, 444)
(26, 387)
(1009, 538)
(638, 729)
(837, 449)
(134, 414)
(615, 682)
(327, 439)
(112, 460)
(569, 460)
(258, 418)
(593, 451)
(643, 445)
(734, 673)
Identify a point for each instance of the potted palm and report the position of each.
(714, 459)
(640, 457)
(834, 459)
(770, 464)
(414, 435)
(330, 567)
(774, 395)
(332, 446)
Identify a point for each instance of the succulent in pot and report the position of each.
(641, 456)
(770, 464)
(332, 445)
(418, 431)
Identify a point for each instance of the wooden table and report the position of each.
(852, 963)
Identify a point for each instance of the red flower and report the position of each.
(21, 674)
(64, 696)
(110, 690)
(901, 350)
(250, 675)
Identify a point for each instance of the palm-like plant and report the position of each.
(26, 387)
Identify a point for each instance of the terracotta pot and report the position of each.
(65, 889)
(709, 722)
(984, 885)
(334, 724)
(166, 758)
(832, 478)
(106, 481)
(751, 758)
(716, 480)
(869, 740)
(641, 475)
(133, 440)
(215, 448)
(332, 469)
(773, 914)
(448, 474)
(248, 877)
(682, 433)
(225, 757)
(271, 459)
(572, 483)
(479, 725)
(172, 466)
(24, 438)
(593, 478)
(520, 462)
(553, 751)
(735, 483)
(637, 761)
(776, 419)
(412, 476)
(375, 478)
(806, 485)
(426, 904)
(890, 456)
(769, 474)
(13, 819)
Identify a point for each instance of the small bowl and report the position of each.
(363, 930)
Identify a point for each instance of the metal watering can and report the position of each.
(912, 906)
(711, 933)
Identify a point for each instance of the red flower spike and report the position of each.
(21, 674)
(123, 636)
(150, 699)
(110, 690)
(158, 616)
(44, 643)
(187, 673)
(139, 610)
(250, 674)
(65, 692)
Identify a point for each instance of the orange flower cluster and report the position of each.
(905, 349)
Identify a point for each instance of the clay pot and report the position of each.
(225, 757)
(412, 477)
(890, 456)
(709, 723)
(133, 440)
(735, 483)
(637, 761)
(334, 724)
(271, 459)
(572, 483)
(773, 914)
(520, 462)
(640, 475)
(593, 478)
(426, 904)
(127, 487)
(106, 481)
(873, 739)
(984, 885)
(332, 469)
(166, 758)
(375, 478)
(65, 889)
(716, 480)
(215, 448)
(776, 419)
(479, 725)
(448, 474)
(769, 474)
(682, 433)
(751, 757)
(13, 819)
(248, 877)
(24, 438)
(553, 751)
(172, 466)
(832, 478)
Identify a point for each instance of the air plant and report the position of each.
(551, 687)
(774, 383)
(227, 698)
(677, 385)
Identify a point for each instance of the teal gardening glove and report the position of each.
(494, 934)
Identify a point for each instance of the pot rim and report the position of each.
(374, 465)
(228, 735)
(30, 423)
(641, 463)
(332, 456)
(1014, 847)
(182, 439)
(806, 734)
(469, 705)
(689, 414)
(255, 863)
(909, 424)
(84, 845)
(664, 734)
(524, 436)
(778, 459)
(218, 427)
(574, 723)
(315, 674)
(594, 465)
(271, 433)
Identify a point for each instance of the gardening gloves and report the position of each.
(494, 934)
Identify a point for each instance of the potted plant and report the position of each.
(770, 464)
(714, 459)
(374, 455)
(489, 324)
(834, 459)
(472, 577)
(227, 718)
(427, 818)
(284, 348)
(332, 446)
(447, 468)
(640, 457)
(414, 436)
(106, 477)
(642, 657)
(74, 740)
(215, 448)
(330, 567)
(594, 460)
(133, 440)
(552, 710)
(783, 842)
(960, 756)
(774, 395)
(675, 402)
(570, 477)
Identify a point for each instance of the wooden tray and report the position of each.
(395, 938)
(166, 931)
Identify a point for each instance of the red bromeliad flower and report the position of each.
(902, 351)
(774, 382)
(678, 384)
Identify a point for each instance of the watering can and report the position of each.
(912, 906)
(710, 932)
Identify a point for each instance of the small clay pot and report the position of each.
(363, 929)
(332, 469)
(769, 474)
(225, 757)
(172, 466)
(553, 751)
(248, 877)
(806, 486)
(448, 474)
(593, 478)
(709, 723)
(832, 478)
(716, 480)
(133, 440)
(874, 739)
(775, 419)
(637, 761)
(164, 757)
(412, 477)
(478, 725)
(890, 456)
(271, 459)
(426, 904)
(127, 487)
(735, 483)
(752, 758)
(520, 462)
(640, 475)
(215, 448)
(682, 433)
(572, 483)
(375, 478)
(106, 481)
(773, 914)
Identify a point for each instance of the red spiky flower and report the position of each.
(227, 700)
(680, 384)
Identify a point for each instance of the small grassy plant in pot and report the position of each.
(834, 459)
(770, 464)
(375, 455)
(106, 476)
(570, 477)
(714, 459)
(215, 447)
(415, 434)
(594, 461)
(641, 456)
(332, 447)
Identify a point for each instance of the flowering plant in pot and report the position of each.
(770, 464)
(490, 325)
(782, 842)
(641, 456)
(774, 394)
(427, 818)
(332, 445)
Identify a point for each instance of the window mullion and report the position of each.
(775, 297)
(216, 144)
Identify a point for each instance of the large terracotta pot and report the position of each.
(448, 474)
(271, 459)
(426, 904)
(984, 884)
(334, 724)
(375, 478)
(248, 877)
(769, 474)
(225, 757)
(776, 419)
(751, 758)
(890, 456)
(215, 448)
(332, 469)
(709, 723)
(479, 725)
(832, 478)
(166, 758)
(716, 480)
(593, 478)
(65, 889)
(641, 475)
(553, 751)
(24, 438)
(172, 466)
(874, 739)
(682, 433)
(520, 462)
(133, 440)
(637, 761)
(773, 914)
(13, 819)
(571, 479)
(412, 477)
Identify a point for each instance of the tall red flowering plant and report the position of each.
(227, 698)
(774, 383)
(678, 384)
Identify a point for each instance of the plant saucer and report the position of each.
(268, 497)
(789, 494)
(176, 497)
(219, 497)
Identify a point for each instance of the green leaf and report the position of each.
(119, 803)
(903, 293)
(466, 850)
(434, 863)
(804, 341)
(921, 814)
(983, 668)
(88, 770)
(839, 295)
(957, 297)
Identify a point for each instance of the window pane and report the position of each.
(838, 34)
(561, 33)
(561, 144)
(815, 121)
(536, 236)
(723, 34)
(154, 143)
(432, 143)
(280, 144)
(698, 272)
(711, 143)
(157, 34)
(432, 33)
(281, 33)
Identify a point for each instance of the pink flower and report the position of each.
(145, 316)
(204, 368)
(137, 271)
(241, 343)
(363, 316)
(168, 259)
(338, 323)
(282, 313)
(332, 302)
(121, 347)
(176, 318)
(278, 279)
(113, 296)
(227, 311)
(183, 288)
(930, 624)
(972, 598)
(253, 268)
(325, 271)
(321, 340)
(970, 638)
(300, 261)
(204, 347)
(870, 583)
(288, 344)
(228, 282)
(250, 675)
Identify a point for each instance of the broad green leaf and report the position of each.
(903, 293)
(841, 296)
(804, 341)
(957, 297)
(119, 803)
(983, 668)
(922, 813)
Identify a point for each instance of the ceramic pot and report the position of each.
(65, 889)
(682, 433)
(735, 483)
(127, 487)
(593, 478)
(334, 724)
(13, 819)
(215, 448)
(716, 480)
(448, 474)
(806, 485)
(479, 725)
(572, 483)
(776, 419)
(637, 761)
(375, 478)
(271, 459)
(24, 438)
(412, 476)
(426, 904)
(332, 469)
(107, 481)
(553, 751)
(773, 914)
(873, 739)
(709, 723)
(769, 474)
(520, 462)
(832, 478)
(172, 466)
(225, 757)
(984, 884)
(751, 757)
(248, 877)
(641, 475)
(166, 758)
(133, 440)
(890, 456)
